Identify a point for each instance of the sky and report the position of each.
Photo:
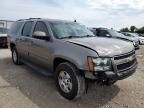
(92, 13)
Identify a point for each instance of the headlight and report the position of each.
(99, 64)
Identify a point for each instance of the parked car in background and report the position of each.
(71, 53)
(140, 38)
(110, 33)
(142, 35)
(3, 37)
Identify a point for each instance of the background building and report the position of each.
(5, 23)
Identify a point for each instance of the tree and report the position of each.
(133, 29)
(140, 30)
(124, 29)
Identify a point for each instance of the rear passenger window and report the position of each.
(15, 28)
(27, 28)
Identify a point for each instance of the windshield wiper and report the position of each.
(69, 37)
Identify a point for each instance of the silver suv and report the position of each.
(71, 53)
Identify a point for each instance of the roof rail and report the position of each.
(20, 20)
(34, 18)
(27, 19)
(94, 28)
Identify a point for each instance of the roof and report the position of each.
(44, 19)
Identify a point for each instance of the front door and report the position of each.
(40, 49)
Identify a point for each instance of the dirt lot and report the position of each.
(22, 87)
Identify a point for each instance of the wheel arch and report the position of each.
(59, 60)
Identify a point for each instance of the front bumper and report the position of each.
(121, 75)
(111, 74)
(123, 66)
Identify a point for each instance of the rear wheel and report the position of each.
(15, 57)
(69, 84)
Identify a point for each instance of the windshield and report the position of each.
(134, 34)
(129, 34)
(70, 30)
(115, 33)
(3, 30)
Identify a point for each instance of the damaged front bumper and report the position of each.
(123, 67)
(121, 75)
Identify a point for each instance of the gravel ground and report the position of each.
(22, 87)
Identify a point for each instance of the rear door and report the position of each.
(24, 40)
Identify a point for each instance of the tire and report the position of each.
(15, 57)
(75, 83)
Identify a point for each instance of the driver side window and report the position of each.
(40, 27)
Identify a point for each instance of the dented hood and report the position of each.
(104, 46)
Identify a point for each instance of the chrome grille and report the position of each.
(124, 55)
(125, 61)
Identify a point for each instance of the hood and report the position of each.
(131, 38)
(104, 46)
(3, 35)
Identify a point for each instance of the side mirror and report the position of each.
(41, 35)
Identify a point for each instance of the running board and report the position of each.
(38, 69)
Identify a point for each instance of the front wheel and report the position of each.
(69, 84)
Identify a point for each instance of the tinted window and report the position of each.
(27, 28)
(102, 33)
(41, 26)
(115, 33)
(15, 28)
